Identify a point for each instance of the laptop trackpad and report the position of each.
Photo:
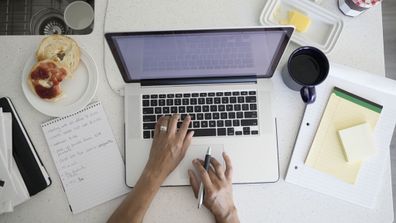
(199, 151)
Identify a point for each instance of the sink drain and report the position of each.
(48, 21)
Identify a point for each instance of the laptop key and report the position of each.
(178, 101)
(240, 115)
(219, 93)
(211, 94)
(238, 133)
(150, 125)
(254, 132)
(145, 96)
(169, 102)
(244, 93)
(209, 101)
(170, 95)
(193, 101)
(192, 116)
(221, 131)
(185, 101)
(215, 115)
(200, 116)
(220, 123)
(190, 109)
(233, 100)
(235, 93)
(224, 100)
(228, 123)
(197, 108)
(145, 103)
(212, 124)
(208, 116)
(249, 122)
(221, 108)
(252, 93)
(217, 100)
(195, 95)
(227, 93)
(231, 115)
(196, 124)
(205, 108)
(182, 109)
(251, 99)
(230, 131)
(173, 110)
(223, 115)
(251, 114)
(202, 95)
(253, 107)
(158, 110)
(146, 134)
(149, 118)
(154, 96)
(187, 95)
(246, 132)
(148, 110)
(245, 107)
(165, 110)
(161, 102)
(153, 103)
(204, 132)
(162, 96)
(229, 107)
(179, 95)
(213, 108)
(204, 124)
(241, 99)
(235, 122)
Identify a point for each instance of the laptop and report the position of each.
(221, 77)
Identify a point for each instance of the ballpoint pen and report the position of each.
(201, 192)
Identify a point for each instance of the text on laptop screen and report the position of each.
(199, 54)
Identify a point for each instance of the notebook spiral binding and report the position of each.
(90, 106)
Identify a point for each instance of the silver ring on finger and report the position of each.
(163, 128)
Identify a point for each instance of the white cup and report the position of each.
(79, 15)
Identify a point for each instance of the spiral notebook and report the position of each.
(87, 157)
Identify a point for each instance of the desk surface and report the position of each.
(360, 46)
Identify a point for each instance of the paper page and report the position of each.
(87, 157)
(326, 153)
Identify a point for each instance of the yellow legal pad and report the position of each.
(343, 110)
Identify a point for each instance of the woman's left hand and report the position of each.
(169, 145)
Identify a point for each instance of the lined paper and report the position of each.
(87, 157)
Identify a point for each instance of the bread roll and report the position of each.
(45, 78)
(61, 49)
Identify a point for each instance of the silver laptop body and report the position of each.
(220, 77)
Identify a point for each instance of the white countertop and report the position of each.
(360, 46)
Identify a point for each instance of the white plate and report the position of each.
(77, 91)
(325, 28)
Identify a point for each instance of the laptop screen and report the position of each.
(198, 54)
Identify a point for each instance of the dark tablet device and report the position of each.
(29, 164)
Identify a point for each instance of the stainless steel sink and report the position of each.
(37, 17)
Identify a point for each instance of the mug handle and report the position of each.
(308, 94)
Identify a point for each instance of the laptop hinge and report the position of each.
(206, 80)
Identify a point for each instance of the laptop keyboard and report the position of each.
(222, 113)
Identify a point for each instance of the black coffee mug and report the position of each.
(306, 68)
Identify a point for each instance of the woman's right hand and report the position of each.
(218, 188)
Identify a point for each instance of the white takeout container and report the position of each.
(325, 28)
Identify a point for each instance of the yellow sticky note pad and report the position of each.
(343, 110)
(299, 20)
(357, 142)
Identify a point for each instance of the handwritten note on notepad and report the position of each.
(343, 110)
(87, 158)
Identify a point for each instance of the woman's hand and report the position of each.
(218, 188)
(169, 146)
